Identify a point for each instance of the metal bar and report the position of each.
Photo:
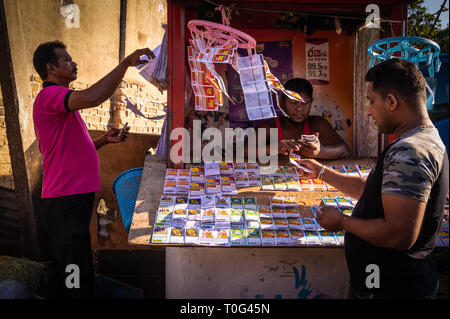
(123, 28)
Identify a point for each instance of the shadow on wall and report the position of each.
(114, 160)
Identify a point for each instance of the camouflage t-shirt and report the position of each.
(413, 163)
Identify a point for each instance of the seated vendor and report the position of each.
(329, 144)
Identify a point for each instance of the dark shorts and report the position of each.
(67, 220)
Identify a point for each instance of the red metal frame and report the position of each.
(177, 36)
(175, 59)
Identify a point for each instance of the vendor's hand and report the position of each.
(330, 218)
(313, 165)
(134, 58)
(310, 149)
(112, 136)
(288, 145)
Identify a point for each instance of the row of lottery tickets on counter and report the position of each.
(238, 221)
(226, 178)
(216, 220)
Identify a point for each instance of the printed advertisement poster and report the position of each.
(317, 62)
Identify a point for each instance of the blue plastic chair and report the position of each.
(126, 187)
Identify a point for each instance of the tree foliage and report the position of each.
(420, 24)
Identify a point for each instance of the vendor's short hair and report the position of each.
(399, 77)
(300, 86)
(45, 53)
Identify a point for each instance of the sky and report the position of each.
(433, 6)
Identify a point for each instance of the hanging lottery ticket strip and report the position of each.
(207, 85)
(218, 43)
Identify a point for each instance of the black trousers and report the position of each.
(67, 220)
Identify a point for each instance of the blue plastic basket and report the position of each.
(126, 187)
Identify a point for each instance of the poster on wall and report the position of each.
(317, 62)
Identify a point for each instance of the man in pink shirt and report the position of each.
(70, 161)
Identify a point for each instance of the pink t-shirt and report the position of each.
(70, 160)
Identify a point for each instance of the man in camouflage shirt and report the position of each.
(391, 233)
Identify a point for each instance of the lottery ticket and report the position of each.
(364, 170)
(293, 184)
(226, 168)
(295, 223)
(268, 237)
(160, 235)
(328, 201)
(265, 212)
(266, 223)
(222, 237)
(250, 203)
(242, 180)
(283, 237)
(191, 235)
(280, 223)
(306, 184)
(318, 185)
(253, 236)
(351, 170)
(310, 224)
(267, 183)
(176, 235)
(312, 238)
(340, 237)
(251, 215)
(237, 216)
(347, 211)
(292, 212)
(298, 237)
(237, 203)
(344, 202)
(254, 179)
(207, 237)
(237, 236)
(328, 238)
(278, 212)
(222, 201)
